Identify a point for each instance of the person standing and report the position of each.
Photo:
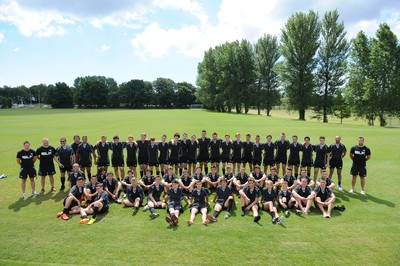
(337, 152)
(84, 153)
(281, 147)
(46, 155)
(65, 155)
(26, 159)
(359, 154)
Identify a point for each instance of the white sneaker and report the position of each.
(145, 208)
(23, 195)
(340, 188)
(124, 195)
(34, 194)
(351, 191)
(119, 201)
(362, 192)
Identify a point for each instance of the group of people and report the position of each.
(179, 165)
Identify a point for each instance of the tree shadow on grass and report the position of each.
(368, 198)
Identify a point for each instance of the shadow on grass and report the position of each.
(20, 203)
(368, 198)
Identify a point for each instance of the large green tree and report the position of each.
(165, 90)
(133, 93)
(61, 96)
(184, 96)
(299, 44)
(332, 66)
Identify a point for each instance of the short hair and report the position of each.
(148, 171)
(93, 176)
(248, 135)
(227, 135)
(283, 182)
(295, 136)
(269, 136)
(361, 137)
(223, 179)
(273, 168)
(251, 179)
(76, 136)
(115, 137)
(130, 137)
(185, 134)
(303, 170)
(213, 166)
(177, 135)
(133, 179)
(103, 136)
(152, 139)
(164, 136)
(174, 181)
(130, 171)
(289, 169)
(203, 131)
(63, 139)
(110, 173)
(257, 136)
(80, 178)
(170, 168)
(143, 134)
(98, 184)
(215, 134)
(26, 142)
(269, 182)
(75, 164)
(322, 137)
(307, 137)
(157, 176)
(237, 134)
(283, 134)
(185, 170)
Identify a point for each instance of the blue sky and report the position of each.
(47, 41)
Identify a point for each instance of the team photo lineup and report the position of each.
(209, 175)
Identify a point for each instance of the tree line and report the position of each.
(103, 92)
(312, 65)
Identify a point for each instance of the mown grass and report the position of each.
(365, 234)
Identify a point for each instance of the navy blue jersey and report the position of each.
(152, 153)
(156, 191)
(199, 196)
(192, 150)
(148, 181)
(127, 180)
(91, 187)
(223, 192)
(229, 176)
(257, 151)
(289, 179)
(184, 147)
(134, 193)
(213, 178)
(75, 146)
(242, 178)
(198, 177)
(268, 195)
(163, 149)
(252, 194)
(84, 152)
(226, 147)
(295, 150)
(273, 178)
(307, 177)
(323, 194)
(175, 150)
(237, 147)
(168, 179)
(303, 192)
(73, 177)
(142, 147)
(104, 197)
(285, 194)
(65, 154)
(112, 184)
(175, 196)
(360, 154)
(117, 150)
(215, 148)
(269, 151)
(26, 158)
(203, 146)
(320, 153)
(186, 181)
(258, 175)
(281, 148)
(77, 192)
(130, 152)
(336, 151)
(307, 151)
(102, 151)
(248, 149)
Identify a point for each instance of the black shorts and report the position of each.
(153, 164)
(247, 160)
(281, 160)
(140, 201)
(131, 163)
(163, 161)
(67, 168)
(215, 159)
(142, 160)
(118, 162)
(85, 164)
(294, 162)
(104, 209)
(306, 163)
(73, 203)
(192, 160)
(269, 162)
(220, 202)
(174, 161)
(318, 164)
(360, 170)
(338, 164)
(46, 170)
(175, 206)
(273, 203)
(225, 159)
(184, 159)
(198, 206)
(257, 162)
(103, 163)
(25, 172)
(236, 159)
(203, 158)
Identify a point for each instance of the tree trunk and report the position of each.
(267, 111)
(259, 109)
(325, 119)
(382, 121)
(237, 108)
(302, 114)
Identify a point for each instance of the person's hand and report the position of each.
(60, 165)
(247, 208)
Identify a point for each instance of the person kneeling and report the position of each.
(324, 198)
(135, 196)
(99, 205)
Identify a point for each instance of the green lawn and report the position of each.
(366, 233)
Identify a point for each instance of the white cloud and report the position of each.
(34, 23)
(191, 6)
(1, 37)
(17, 49)
(104, 48)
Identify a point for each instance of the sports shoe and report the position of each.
(84, 221)
(124, 195)
(23, 195)
(274, 220)
(64, 217)
(351, 191)
(92, 221)
(134, 210)
(145, 208)
(34, 194)
(287, 214)
(227, 215)
(298, 212)
(169, 220)
(279, 220)
(154, 215)
(3, 176)
(53, 189)
(59, 214)
(119, 201)
(42, 191)
(362, 192)
(211, 218)
(174, 219)
(340, 188)
(243, 213)
(257, 218)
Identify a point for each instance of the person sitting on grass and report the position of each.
(229, 175)
(113, 187)
(303, 174)
(291, 181)
(90, 190)
(168, 178)
(212, 179)
(72, 203)
(240, 179)
(186, 183)
(328, 180)
(146, 181)
(268, 201)
(135, 196)
(324, 198)
(285, 198)
(174, 195)
(249, 199)
(304, 196)
(198, 203)
(154, 200)
(259, 176)
(99, 205)
(273, 176)
(75, 174)
(223, 199)
(126, 182)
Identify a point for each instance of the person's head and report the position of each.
(257, 169)
(269, 138)
(103, 139)
(193, 137)
(203, 133)
(130, 138)
(164, 138)
(84, 139)
(185, 173)
(130, 173)
(169, 170)
(157, 179)
(76, 138)
(133, 182)
(110, 176)
(175, 184)
(324, 174)
(198, 185)
(153, 140)
(284, 185)
(289, 172)
(116, 139)
(338, 139)
(143, 136)
(257, 138)
(213, 169)
(322, 140)
(198, 170)
(224, 182)
(176, 136)
(304, 182)
(80, 181)
(27, 145)
(283, 136)
(101, 170)
(269, 184)
(322, 182)
(99, 187)
(93, 179)
(45, 142)
(303, 172)
(63, 141)
(185, 135)
(295, 139)
(248, 136)
(360, 141)
(75, 167)
(148, 173)
(307, 140)
(251, 182)
(214, 136)
(237, 136)
(229, 168)
(227, 137)
(242, 170)
(273, 170)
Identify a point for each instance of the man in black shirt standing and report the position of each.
(74, 146)
(281, 147)
(360, 154)
(142, 154)
(46, 155)
(85, 152)
(203, 143)
(65, 155)
(26, 159)
(131, 160)
(294, 155)
(175, 147)
(152, 154)
(237, 146)
(269, 153)
(215, 151)
(337, 152)
(117, 157)
(248, 152)
(102, 148)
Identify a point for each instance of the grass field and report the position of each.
(366, 233)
